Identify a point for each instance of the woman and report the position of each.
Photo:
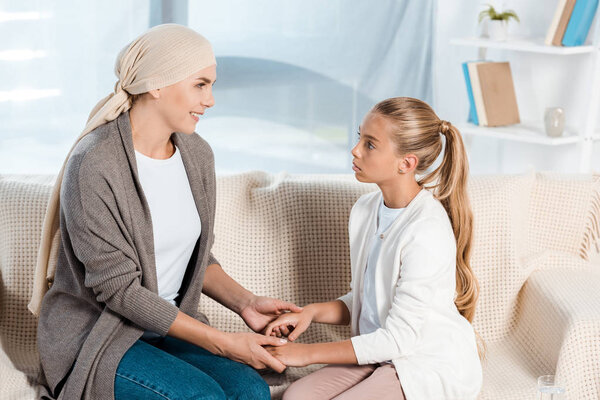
(413, 292)
(137, 207)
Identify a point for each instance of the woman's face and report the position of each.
(182, 103)
(374, 157)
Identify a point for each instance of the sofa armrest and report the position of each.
(558, 324)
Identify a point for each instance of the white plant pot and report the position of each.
(497, 30)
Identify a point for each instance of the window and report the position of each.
(56, 62)
(294, 78)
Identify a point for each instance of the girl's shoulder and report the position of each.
(365, 206)
(429, 217)
(368, 200)
(429, 207)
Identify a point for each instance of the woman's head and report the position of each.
(409, 140)
(165, 59)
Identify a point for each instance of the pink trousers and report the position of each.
(348, 382)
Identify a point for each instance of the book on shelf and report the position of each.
(477, 96)
(491, 93)
(557, 28)
(554, 24)
(580, 22)
(472, 110)
(571, 22)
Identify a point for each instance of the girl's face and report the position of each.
(374, 157)
(182, 103)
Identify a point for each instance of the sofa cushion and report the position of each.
(23, 201)
(565, 215)
(500, 206)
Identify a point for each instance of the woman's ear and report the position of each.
(155, 93)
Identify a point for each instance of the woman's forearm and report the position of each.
(219, 286)
(193, 331)
(333, 312)
(242, 347)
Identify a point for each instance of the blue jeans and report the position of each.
(173, 369)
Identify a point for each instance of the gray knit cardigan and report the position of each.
(105, 289)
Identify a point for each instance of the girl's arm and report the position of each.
(301, 355)
(333, 312)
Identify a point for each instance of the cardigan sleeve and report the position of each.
(425, 259)
(101, 243)
(206, 160)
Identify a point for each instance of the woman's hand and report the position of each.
(298, 322)
(248, 348)
(292, 354)
(243, 347)
(262, 310)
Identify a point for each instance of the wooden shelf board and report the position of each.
(525, 133)
(533, 45)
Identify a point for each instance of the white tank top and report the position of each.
(175, 220)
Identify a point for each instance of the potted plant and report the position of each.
(497, 21)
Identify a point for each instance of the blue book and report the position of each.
(580, 22)
(472, 110)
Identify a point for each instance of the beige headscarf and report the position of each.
(164, 55)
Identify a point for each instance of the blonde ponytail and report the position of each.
(451, 191)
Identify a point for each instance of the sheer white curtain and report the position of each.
(294, 77)
(56, 62)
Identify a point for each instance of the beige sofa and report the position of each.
(536, 253)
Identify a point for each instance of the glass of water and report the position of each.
(550, 389)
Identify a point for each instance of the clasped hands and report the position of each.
(275, 319)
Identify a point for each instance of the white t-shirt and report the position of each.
(175, 220)
(369, 320)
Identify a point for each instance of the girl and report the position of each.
(135, 215)
(413, 292)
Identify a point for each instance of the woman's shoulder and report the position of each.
(96, 139)
(94, 158)
(96, 147)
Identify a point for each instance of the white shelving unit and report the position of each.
(524, 132)
(533, 132)
(530, 45)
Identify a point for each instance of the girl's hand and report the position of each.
(299, 322)
(248, 348)
(262, 310)
(292, 354)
